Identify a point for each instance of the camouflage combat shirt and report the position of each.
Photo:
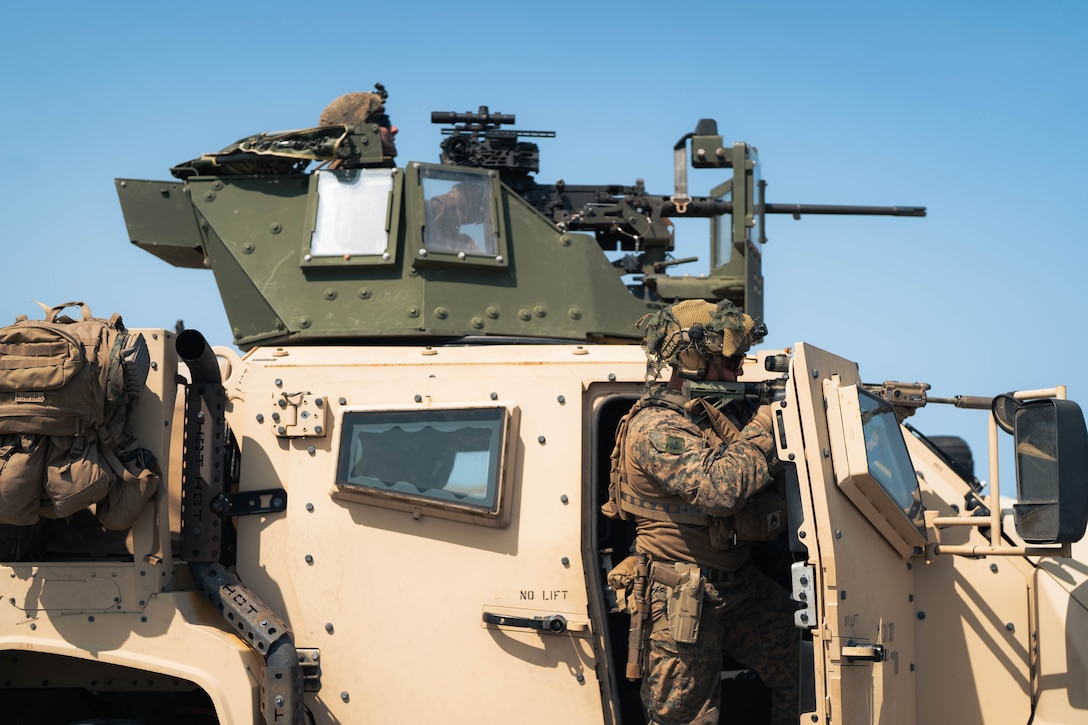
(671, 460)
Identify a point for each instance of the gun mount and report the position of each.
(356, 249)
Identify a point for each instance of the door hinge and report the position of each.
(804, 593)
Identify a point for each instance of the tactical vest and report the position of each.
(623, 503)
(761, 519)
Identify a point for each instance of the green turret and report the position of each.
(355, 249)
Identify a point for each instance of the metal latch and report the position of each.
(554, 623)
(309, 659)
(855, 651)
(804, 593)
(299, 415)
(248, 503)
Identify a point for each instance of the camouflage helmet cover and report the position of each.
(352, 109)
(668, 332)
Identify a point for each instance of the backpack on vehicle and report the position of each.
(67, 391)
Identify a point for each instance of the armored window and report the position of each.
(352, 205)
(873, 466)
(886, 453)
(451, 461)
(458, 212)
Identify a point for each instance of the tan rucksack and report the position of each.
(67, 387)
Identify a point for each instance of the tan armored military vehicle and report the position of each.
(389, 505)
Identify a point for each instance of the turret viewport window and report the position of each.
(458, 209)
(351, 212)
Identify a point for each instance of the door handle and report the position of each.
(553, 623)
(872, 652)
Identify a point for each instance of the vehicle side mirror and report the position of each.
(1051, 472)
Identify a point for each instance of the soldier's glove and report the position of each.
(902, 412)
(763, 418)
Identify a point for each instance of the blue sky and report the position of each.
(975, 110)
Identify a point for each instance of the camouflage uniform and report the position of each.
(686, 474)
(744, 613)
(750, 618)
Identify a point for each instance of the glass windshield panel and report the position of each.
(458, 211)
(886, 453)
(453, 456)
(351, 210)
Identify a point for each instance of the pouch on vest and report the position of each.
(763, 518)
(75, 475)
(620, 579)
(723, 535)
(617, 474)
(22, 472)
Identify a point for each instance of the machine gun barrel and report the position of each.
(798, 209)
(706, 207)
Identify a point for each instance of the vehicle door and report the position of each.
(861, 525)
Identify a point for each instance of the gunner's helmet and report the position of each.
(352, 109)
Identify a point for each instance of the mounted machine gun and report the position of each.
(628, 218)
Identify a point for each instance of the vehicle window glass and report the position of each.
(886, 453)
(458, 212)
(721, 231)
(351, 211)
(448, 456)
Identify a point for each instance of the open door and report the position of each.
(861, 514)
(609, 541)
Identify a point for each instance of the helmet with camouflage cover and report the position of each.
(686, 335)
(365, 111)
(352, 109)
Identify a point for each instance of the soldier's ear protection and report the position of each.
(695, 348)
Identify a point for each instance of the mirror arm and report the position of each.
(935, 523)
(995, 488)
(1059, 550)
(994, 520)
